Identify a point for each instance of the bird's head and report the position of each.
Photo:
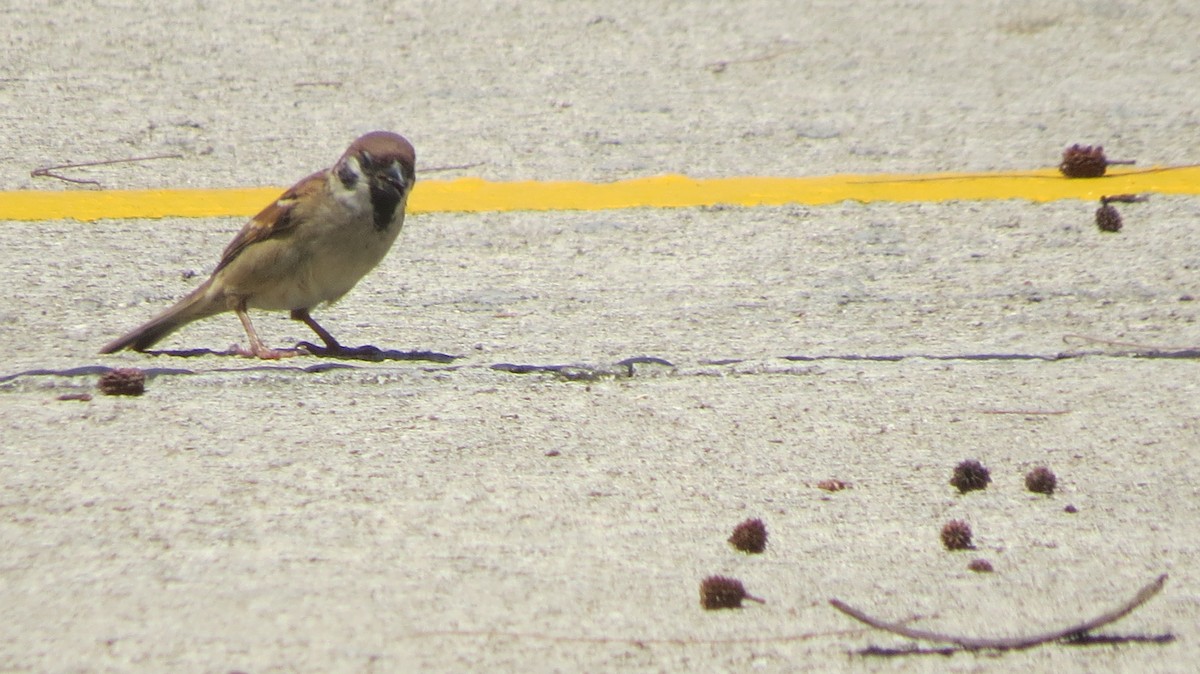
(386, 164)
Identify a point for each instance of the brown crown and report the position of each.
(384, 147)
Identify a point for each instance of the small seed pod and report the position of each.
(1108, 219)
(750, 536)
(980, 566)
(1085, 161)
(717, 592)
(956, 535)
(969, 476)
(123, 381)
(832, 485)
(1041, 480)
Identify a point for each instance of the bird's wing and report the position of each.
(274, 220)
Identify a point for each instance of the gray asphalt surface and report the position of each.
(431, 516)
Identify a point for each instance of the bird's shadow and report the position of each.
(366, 353)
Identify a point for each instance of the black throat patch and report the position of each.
(384, 200)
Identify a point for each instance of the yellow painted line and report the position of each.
(668, 191)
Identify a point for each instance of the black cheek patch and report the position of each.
(384, 200)
(347, 175)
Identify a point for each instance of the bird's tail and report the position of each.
(195, 306)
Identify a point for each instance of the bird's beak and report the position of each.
(391, 175)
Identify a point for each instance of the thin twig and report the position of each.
(1027, 412)
(1008, 174)
(1124, 199)
(455, 167)
(1094, 639)
(673, 641)
(48, 171)
(721, 66)
(1007, 643)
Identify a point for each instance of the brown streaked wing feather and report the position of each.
(273, 220)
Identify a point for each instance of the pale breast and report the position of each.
(318, 262)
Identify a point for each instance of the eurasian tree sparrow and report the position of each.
(309, 247)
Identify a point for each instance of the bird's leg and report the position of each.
(257, 348)
(304, 317)
(332, 347)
